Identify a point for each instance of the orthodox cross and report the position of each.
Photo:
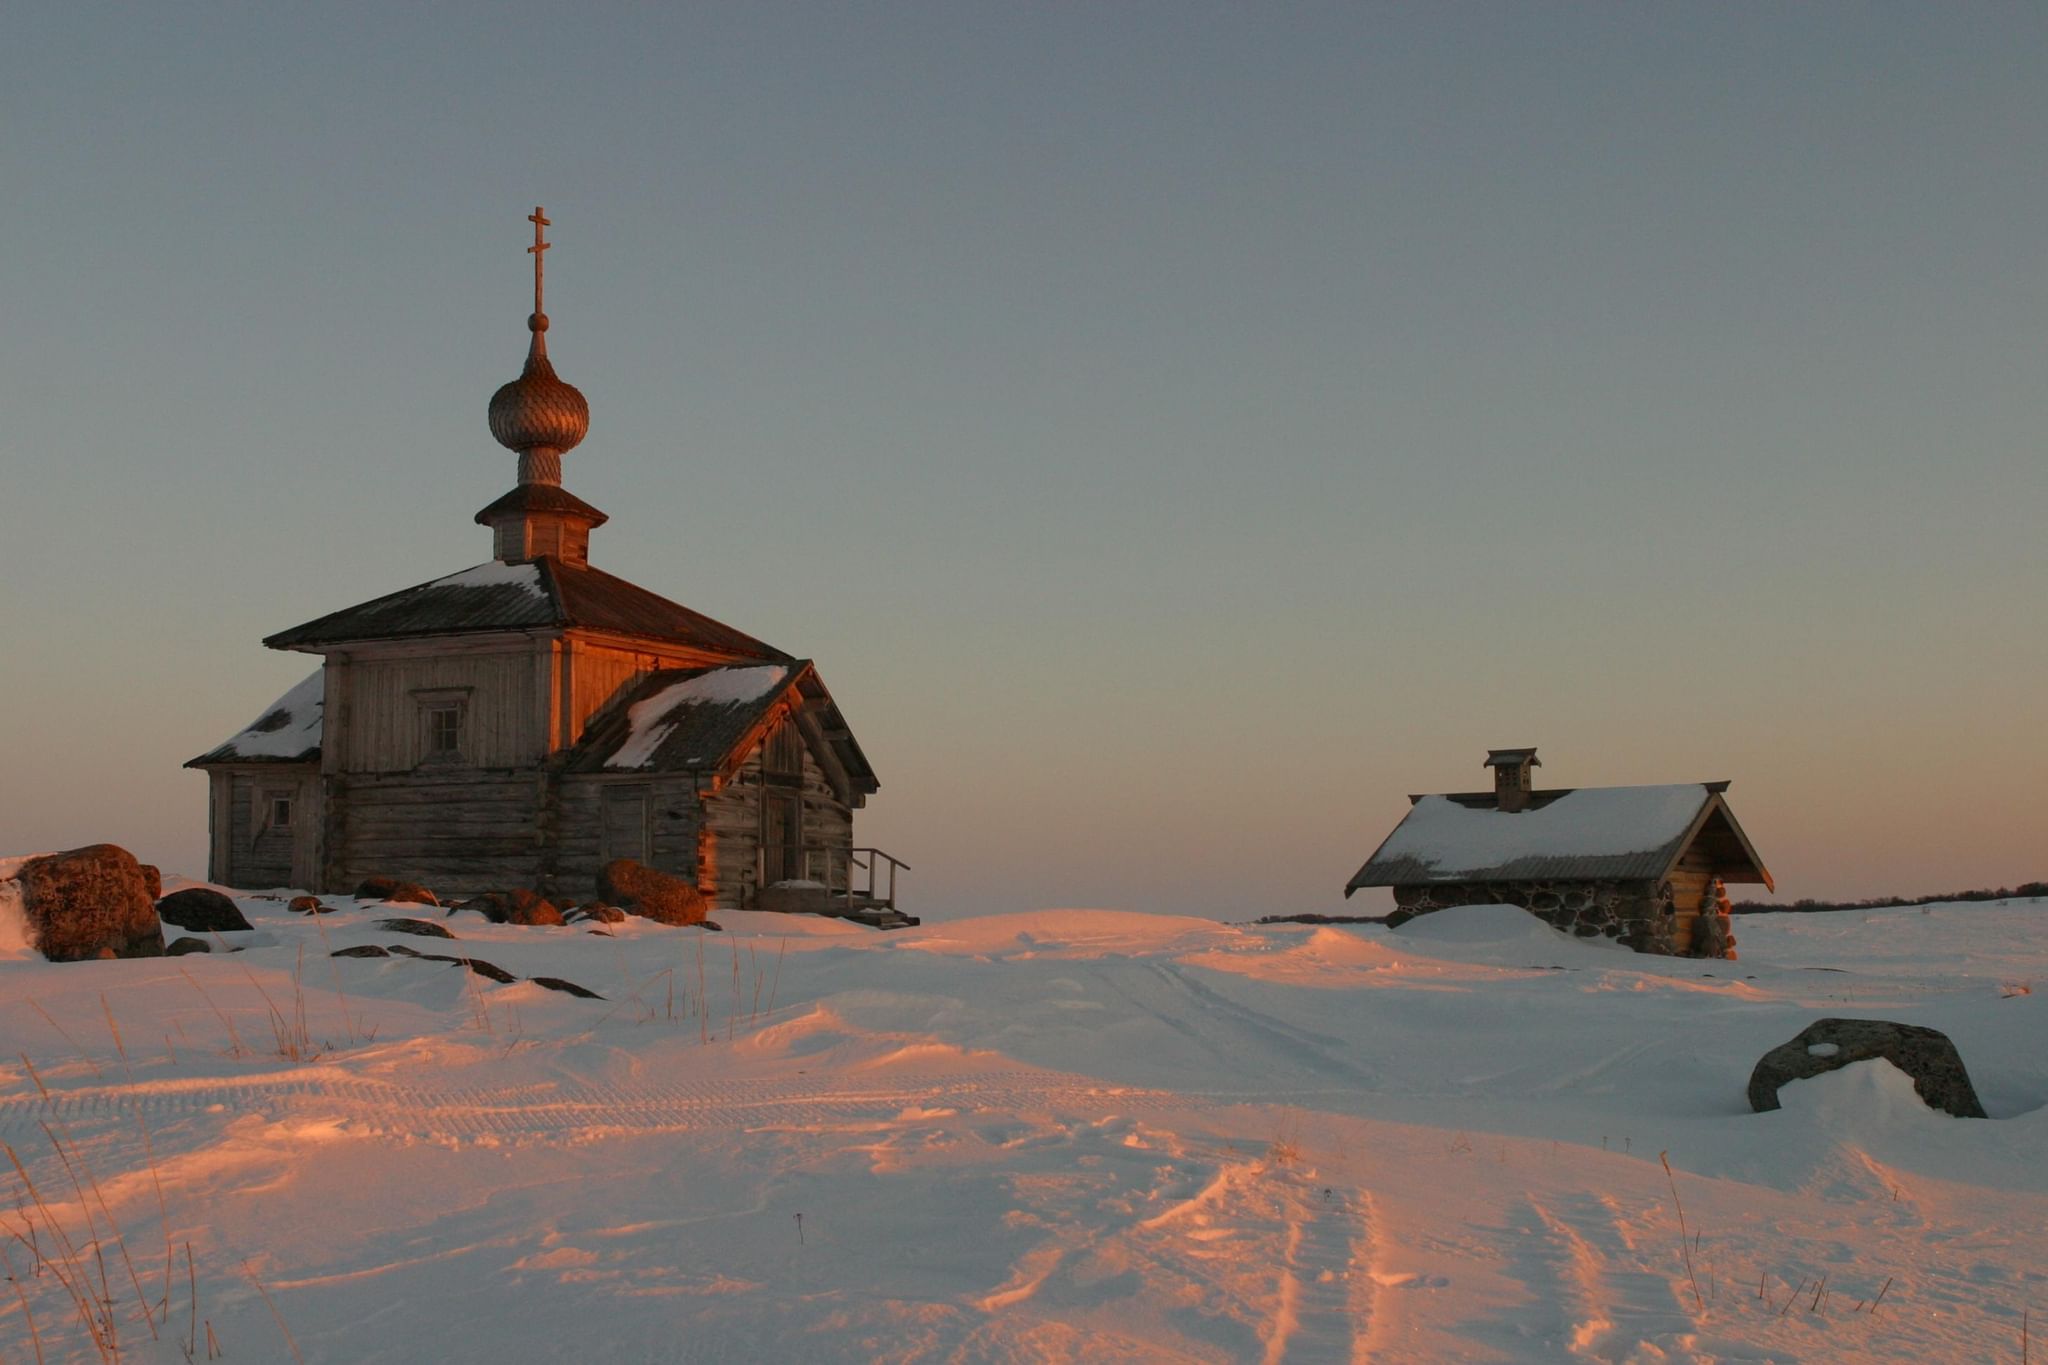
(540, 244)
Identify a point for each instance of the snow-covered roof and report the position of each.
(1590, 833)
(288, 731)
(693, 705)
(709, 719)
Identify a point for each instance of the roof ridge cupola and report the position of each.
(539, 416)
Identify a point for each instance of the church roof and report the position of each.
(530, 594)
(1581, 834)
(288, 731)
(708, 720)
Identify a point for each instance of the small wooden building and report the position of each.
(525, 721)
(1646, 865)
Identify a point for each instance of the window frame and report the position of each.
(430, 704)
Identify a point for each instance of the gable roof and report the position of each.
(1582, 834)
(709, 719)
(528, 594)
(288, 731)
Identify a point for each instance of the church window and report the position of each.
(443, 721)
(280, 812)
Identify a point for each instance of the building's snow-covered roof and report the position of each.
(288, 731)
(695, 710)
(709, 719)
(1591, 833)
(526, 595)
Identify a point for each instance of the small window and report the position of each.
(444, 730)
(280, 812)
(442, 717)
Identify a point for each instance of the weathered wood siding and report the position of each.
(247, 849)
(458, 832)
(597, 672)
(504, 694)
(729, 862)
(595, 823)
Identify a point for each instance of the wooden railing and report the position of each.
(849, 875)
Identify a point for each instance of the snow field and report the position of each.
(1060, 1135)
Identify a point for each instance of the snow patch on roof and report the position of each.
(495, 574)
(288, 727)
(1592, 822)
(651, 721)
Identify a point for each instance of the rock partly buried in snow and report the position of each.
(640, 890)
(308, 905)
(360, 950)
(181, 946)
(394, 890)
(423, 927)
(202, 910)
(1924, 1054)
(514, 907)
(89, 903)
(555, 983)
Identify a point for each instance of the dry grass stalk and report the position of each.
(28, 1314)
(66, 1269)
(348, 1023)
(97, 1073)
(113, 1225)
(237, 1047)
(192, 1287)
(703, 995)
(1684, 1248)
(273, 1313)
(782, 947)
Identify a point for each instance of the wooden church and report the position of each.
(1646, 865)
(524, 722)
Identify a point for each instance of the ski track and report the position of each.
(1330, 1289)
(1608, 1305)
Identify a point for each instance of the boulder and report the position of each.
(307, 905)
(1924, 1054)
(425, 928)
(181, 946)
(88, 903)
(154, 880)
(514, 907)
(640, 890)
(555, 983)
(202, 910)
(392, 889)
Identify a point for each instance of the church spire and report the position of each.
(537, 414)
(539, 417)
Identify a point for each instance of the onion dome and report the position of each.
(537, 411)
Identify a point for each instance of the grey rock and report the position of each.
(1924, 1054)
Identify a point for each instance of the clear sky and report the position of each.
(1178, 431)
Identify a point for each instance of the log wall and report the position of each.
(586, 839)
(457, 832)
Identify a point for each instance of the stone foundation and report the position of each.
(1637, 913)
